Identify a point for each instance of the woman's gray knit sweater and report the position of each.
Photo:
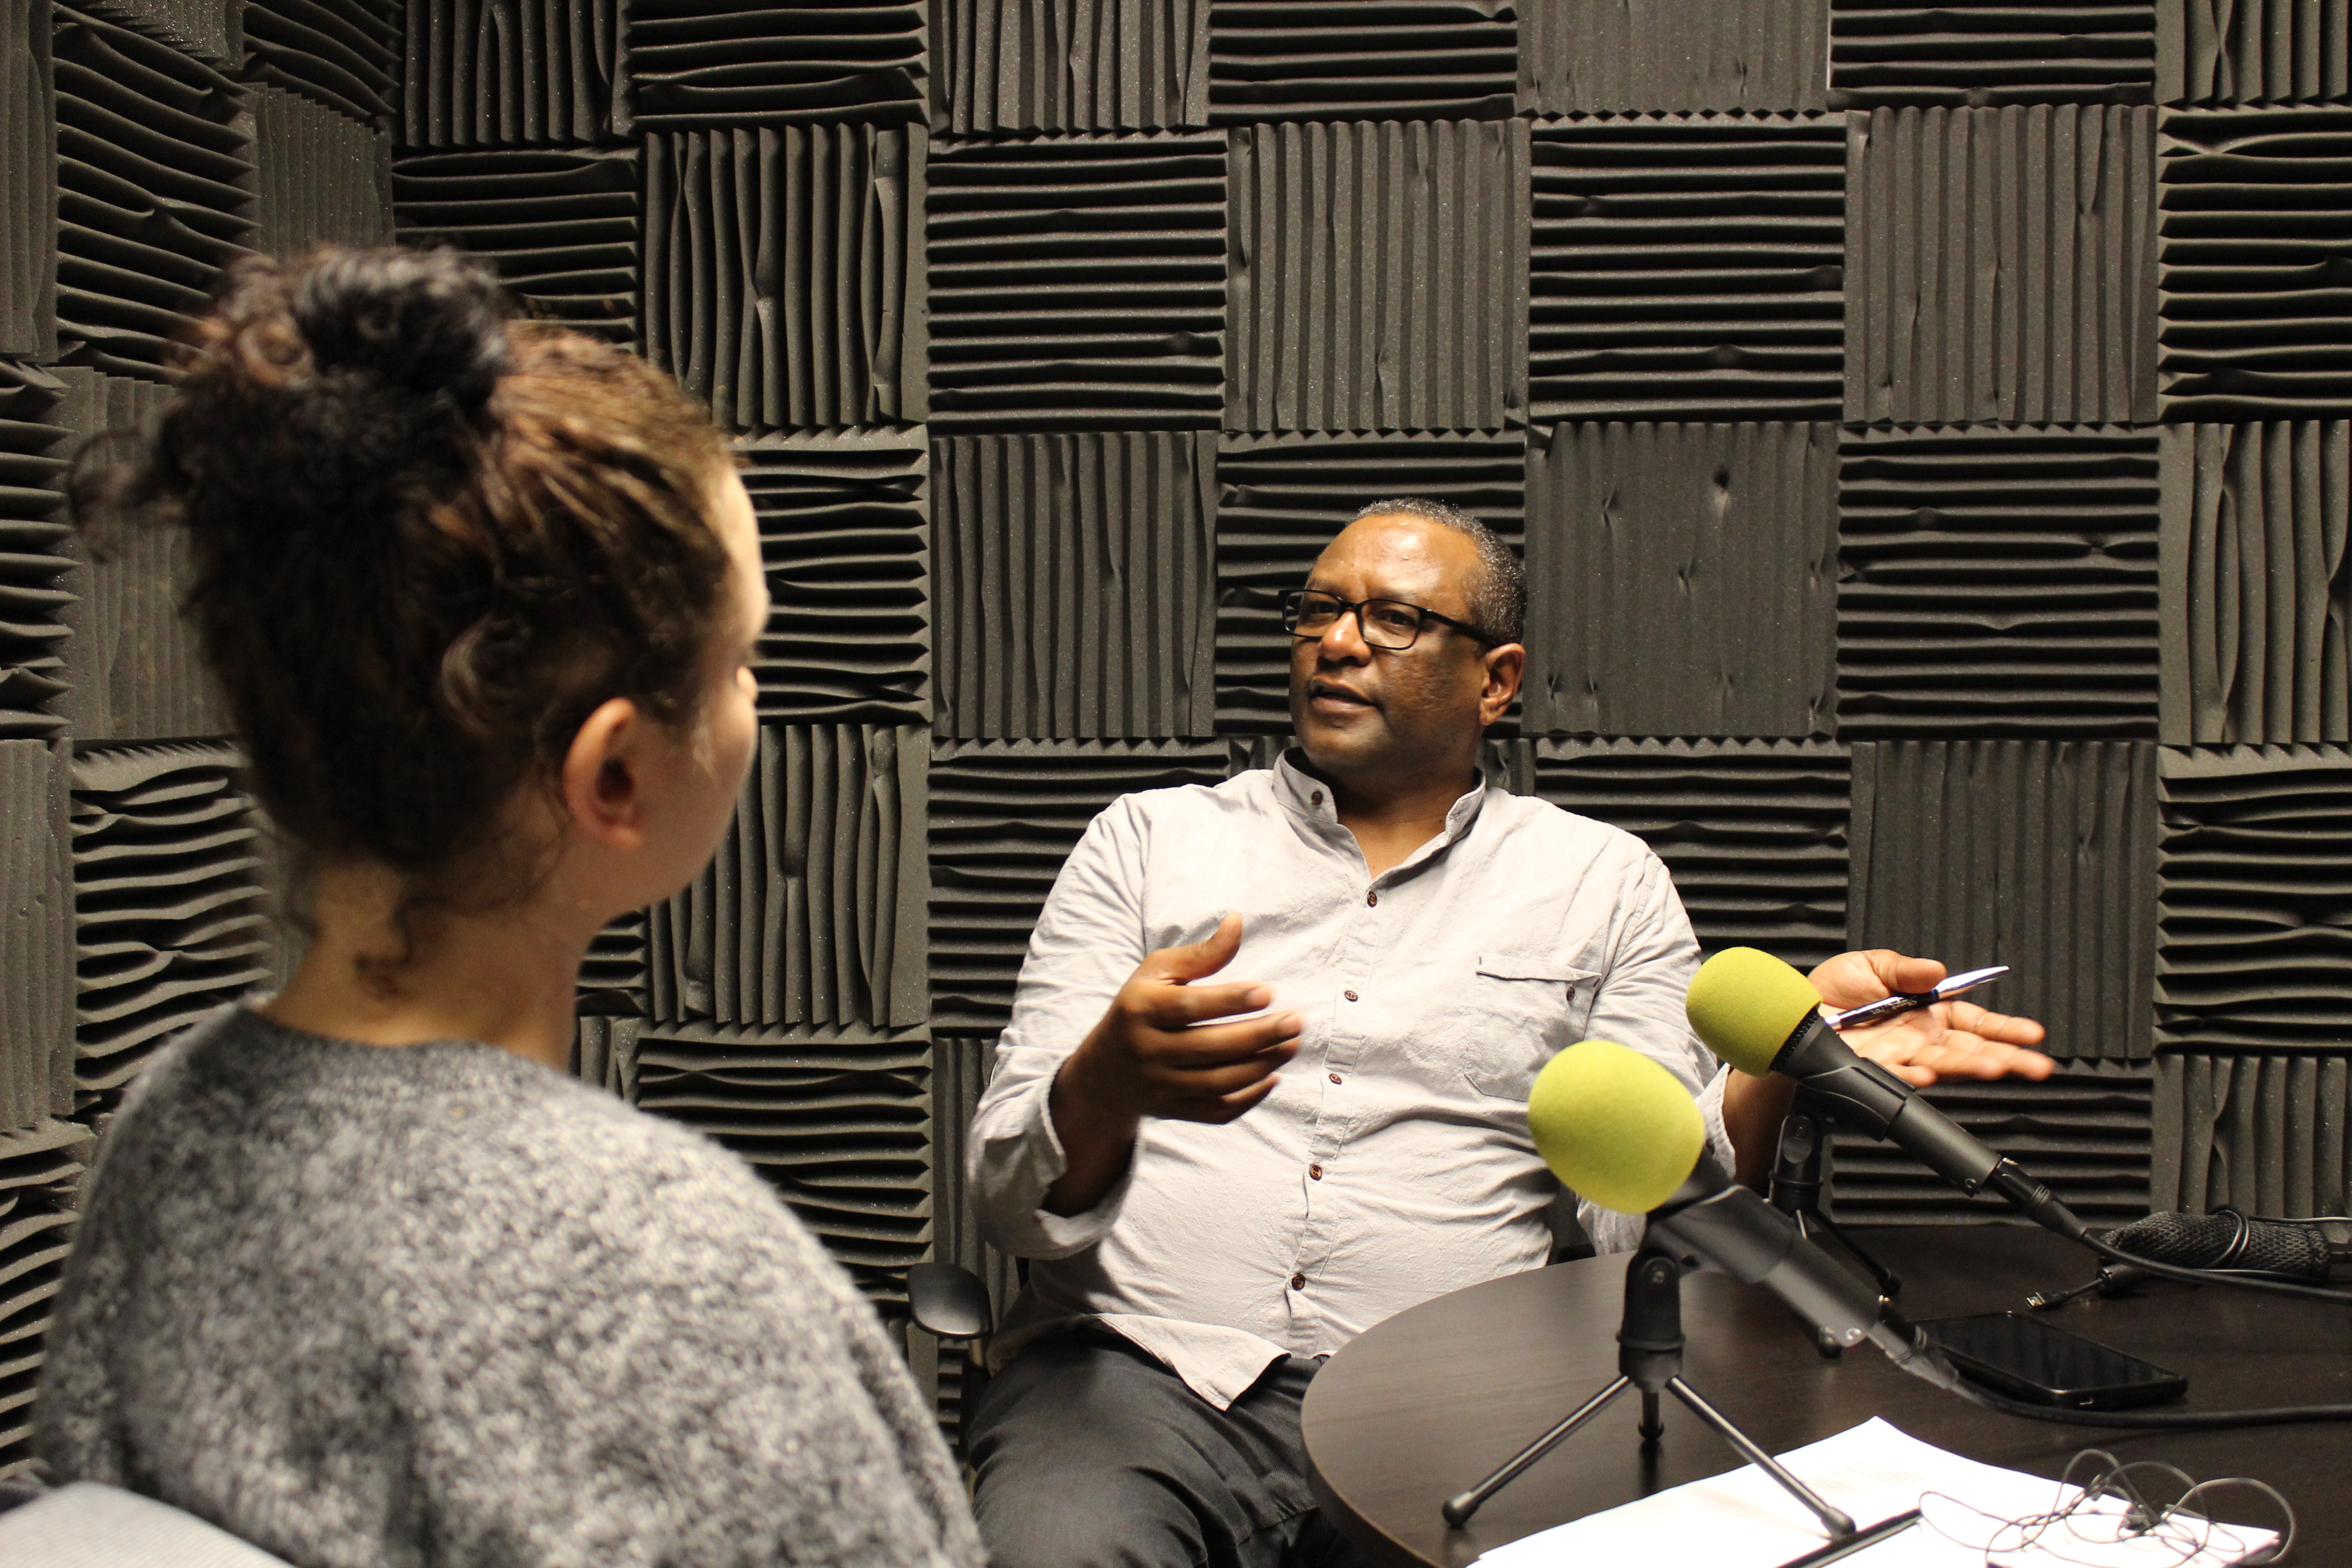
(437, 1305)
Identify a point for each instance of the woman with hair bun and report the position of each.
(364, 1277)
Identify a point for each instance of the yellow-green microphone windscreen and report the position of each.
(1745, 1005)
(1615, 1126)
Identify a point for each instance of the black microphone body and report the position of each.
(1719, 1222)
(1711, 1219)
(1864, 1095)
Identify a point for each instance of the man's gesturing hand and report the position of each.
(1155, 1053)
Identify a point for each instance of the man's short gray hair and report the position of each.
(1498, 602)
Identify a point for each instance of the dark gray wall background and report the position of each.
(1928, 439)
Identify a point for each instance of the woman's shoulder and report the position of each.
(460, 1144)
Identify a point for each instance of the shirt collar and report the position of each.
(1308, 799)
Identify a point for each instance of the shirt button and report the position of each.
(1372, 897)
(1314, 1173)
(1335, 1077)
(1348, 995)
(1298, 1281)
(1315, 799)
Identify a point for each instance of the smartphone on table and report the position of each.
(2026, 1358)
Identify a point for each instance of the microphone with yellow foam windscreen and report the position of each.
(1749, 1007)
(1621, 1131)
(1614, 1126)
(1762, 1017)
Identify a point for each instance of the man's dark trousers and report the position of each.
(1090, 1454)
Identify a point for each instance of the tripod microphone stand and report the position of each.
(1796, 1180)
(1649, 1358)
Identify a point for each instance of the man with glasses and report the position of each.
(1219, 1181)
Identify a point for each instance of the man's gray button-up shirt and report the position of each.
(1392, 1164)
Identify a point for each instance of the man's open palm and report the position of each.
(1950, 1039)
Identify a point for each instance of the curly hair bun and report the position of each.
(428, 538)
(426, 321)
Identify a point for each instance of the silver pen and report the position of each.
(1887, 1007)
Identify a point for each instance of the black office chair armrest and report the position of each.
(947, 1300)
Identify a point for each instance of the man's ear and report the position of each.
(1505, 667)
(604, 774)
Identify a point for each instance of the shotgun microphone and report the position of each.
(2290, 1248)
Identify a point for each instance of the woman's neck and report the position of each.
(506, 977)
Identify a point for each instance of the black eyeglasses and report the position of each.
(1389, 623)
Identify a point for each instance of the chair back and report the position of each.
(87, 1525)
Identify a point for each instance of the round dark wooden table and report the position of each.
(1425, 1404)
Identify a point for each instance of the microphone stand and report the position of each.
(1649, 1358)
(1796, 1180)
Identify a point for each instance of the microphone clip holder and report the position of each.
(1799, 1172)
(1649, 1358)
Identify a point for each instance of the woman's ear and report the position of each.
(604, 774)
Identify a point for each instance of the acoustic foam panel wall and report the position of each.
(1754, 831)
(2084, 1131)
(2229, 52)
(2265, 1135)
(1632, 56)
(509, 73)
(134, 669)
(2256, 244)
(1076, 584)
(561, 226)
(604, 1052)
(713, 63)
(1353, 59)
(211, 30)
(320, 177)
(28, 183)
(2001, 265)
(812, 910)
(1980, 52)
(1077, 282)
(1027, 66)
(154, 191)
(837, 1119)
(615, 992)
(617, 975)
(2253, 953)
(1688, 266)
(172, 914)
(2255, 584)
(843, 530)
(784, 274)
(40, 1181)
(1376, 276)
(1998, 582)
(34, 599)
(1004, 816)
(344, 54)
(1652, 553)
(37, 962)
(2037, 853)
(1281, 499)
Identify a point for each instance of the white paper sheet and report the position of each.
(1743, 1520)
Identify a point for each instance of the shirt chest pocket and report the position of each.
(1521, 1009)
